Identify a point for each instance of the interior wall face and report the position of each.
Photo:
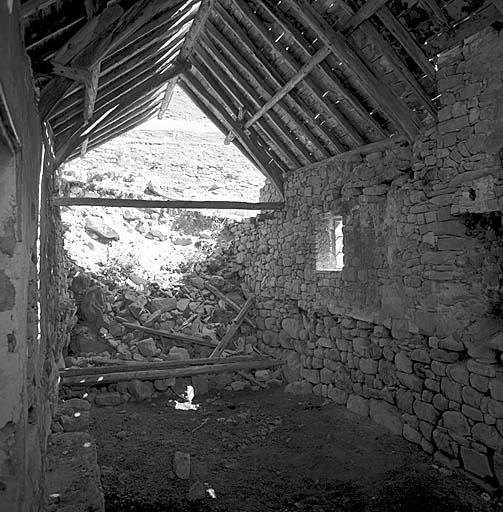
(410, 332)
(23, 417)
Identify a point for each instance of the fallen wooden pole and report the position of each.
(147, 203)
(178, 336)
(128, 366)
(189, 371)
(233, 329)
(236, 307)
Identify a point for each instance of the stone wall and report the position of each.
(26, 357)
(410, 332)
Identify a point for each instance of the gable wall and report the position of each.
(411, 331)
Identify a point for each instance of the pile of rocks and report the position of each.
(108, 309)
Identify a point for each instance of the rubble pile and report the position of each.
(127, 319)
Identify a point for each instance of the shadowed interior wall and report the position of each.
(410, 332)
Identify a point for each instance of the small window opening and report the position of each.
(330, 244)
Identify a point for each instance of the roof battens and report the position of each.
(407, 41)
(368, 9)
(198, 23)
(275, 175)
(149, 86)
(244, 101)
(393, 106)
(330, 77)
(439, 13)
(285, 57)
(260, 87)
(296, 79)
(393, 58)
(147, 203)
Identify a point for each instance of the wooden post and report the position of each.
(198, 23)
(233, 329)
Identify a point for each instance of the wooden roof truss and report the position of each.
(289, 82)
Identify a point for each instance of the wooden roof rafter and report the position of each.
(273, 172)
(270, 74)
(225, 91)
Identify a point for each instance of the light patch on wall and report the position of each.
(330, 244)
(10, 4)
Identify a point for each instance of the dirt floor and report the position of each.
(269, 451)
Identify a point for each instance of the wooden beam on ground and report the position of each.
(274, 174)
(147, 203)
(409, 44)
(169, 373)
(373, 147)
(298, 77)
(368, 9)
(236, 307)
(120, 366)
(393, 106)
(205, 7)
(328, 75)
(233, 329)
(178, 336)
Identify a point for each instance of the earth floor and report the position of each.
(269, 451)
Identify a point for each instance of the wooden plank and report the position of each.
(178, 336)
(324, 69)
(479, 20)
(233, 329)
(236, 307)
(120, 366)
(189, 371)
(368, 9)
(246, 97)
(411, 46)
(373, 147)
(293, 82)
(147, 203)
(393, 106)
(258, 154)
(91, 90)
(198, 23)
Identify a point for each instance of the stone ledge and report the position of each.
(72, 478)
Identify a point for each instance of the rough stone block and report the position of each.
(358, 405)
(326, 376)
(411, 434)
(107, 398)
(368, 366)
(476, 463)
(403, 362)
(299, 388)
(410, 381)
(425, 411)
(459, 372)
(140, 390)
(452, 390)
(456, 422)
(339, 396)
(487, 435)
(386, 415)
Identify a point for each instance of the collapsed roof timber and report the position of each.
(290, 82)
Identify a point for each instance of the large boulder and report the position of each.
(101, 231)
(85, 341)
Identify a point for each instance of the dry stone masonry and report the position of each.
(410, 332)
